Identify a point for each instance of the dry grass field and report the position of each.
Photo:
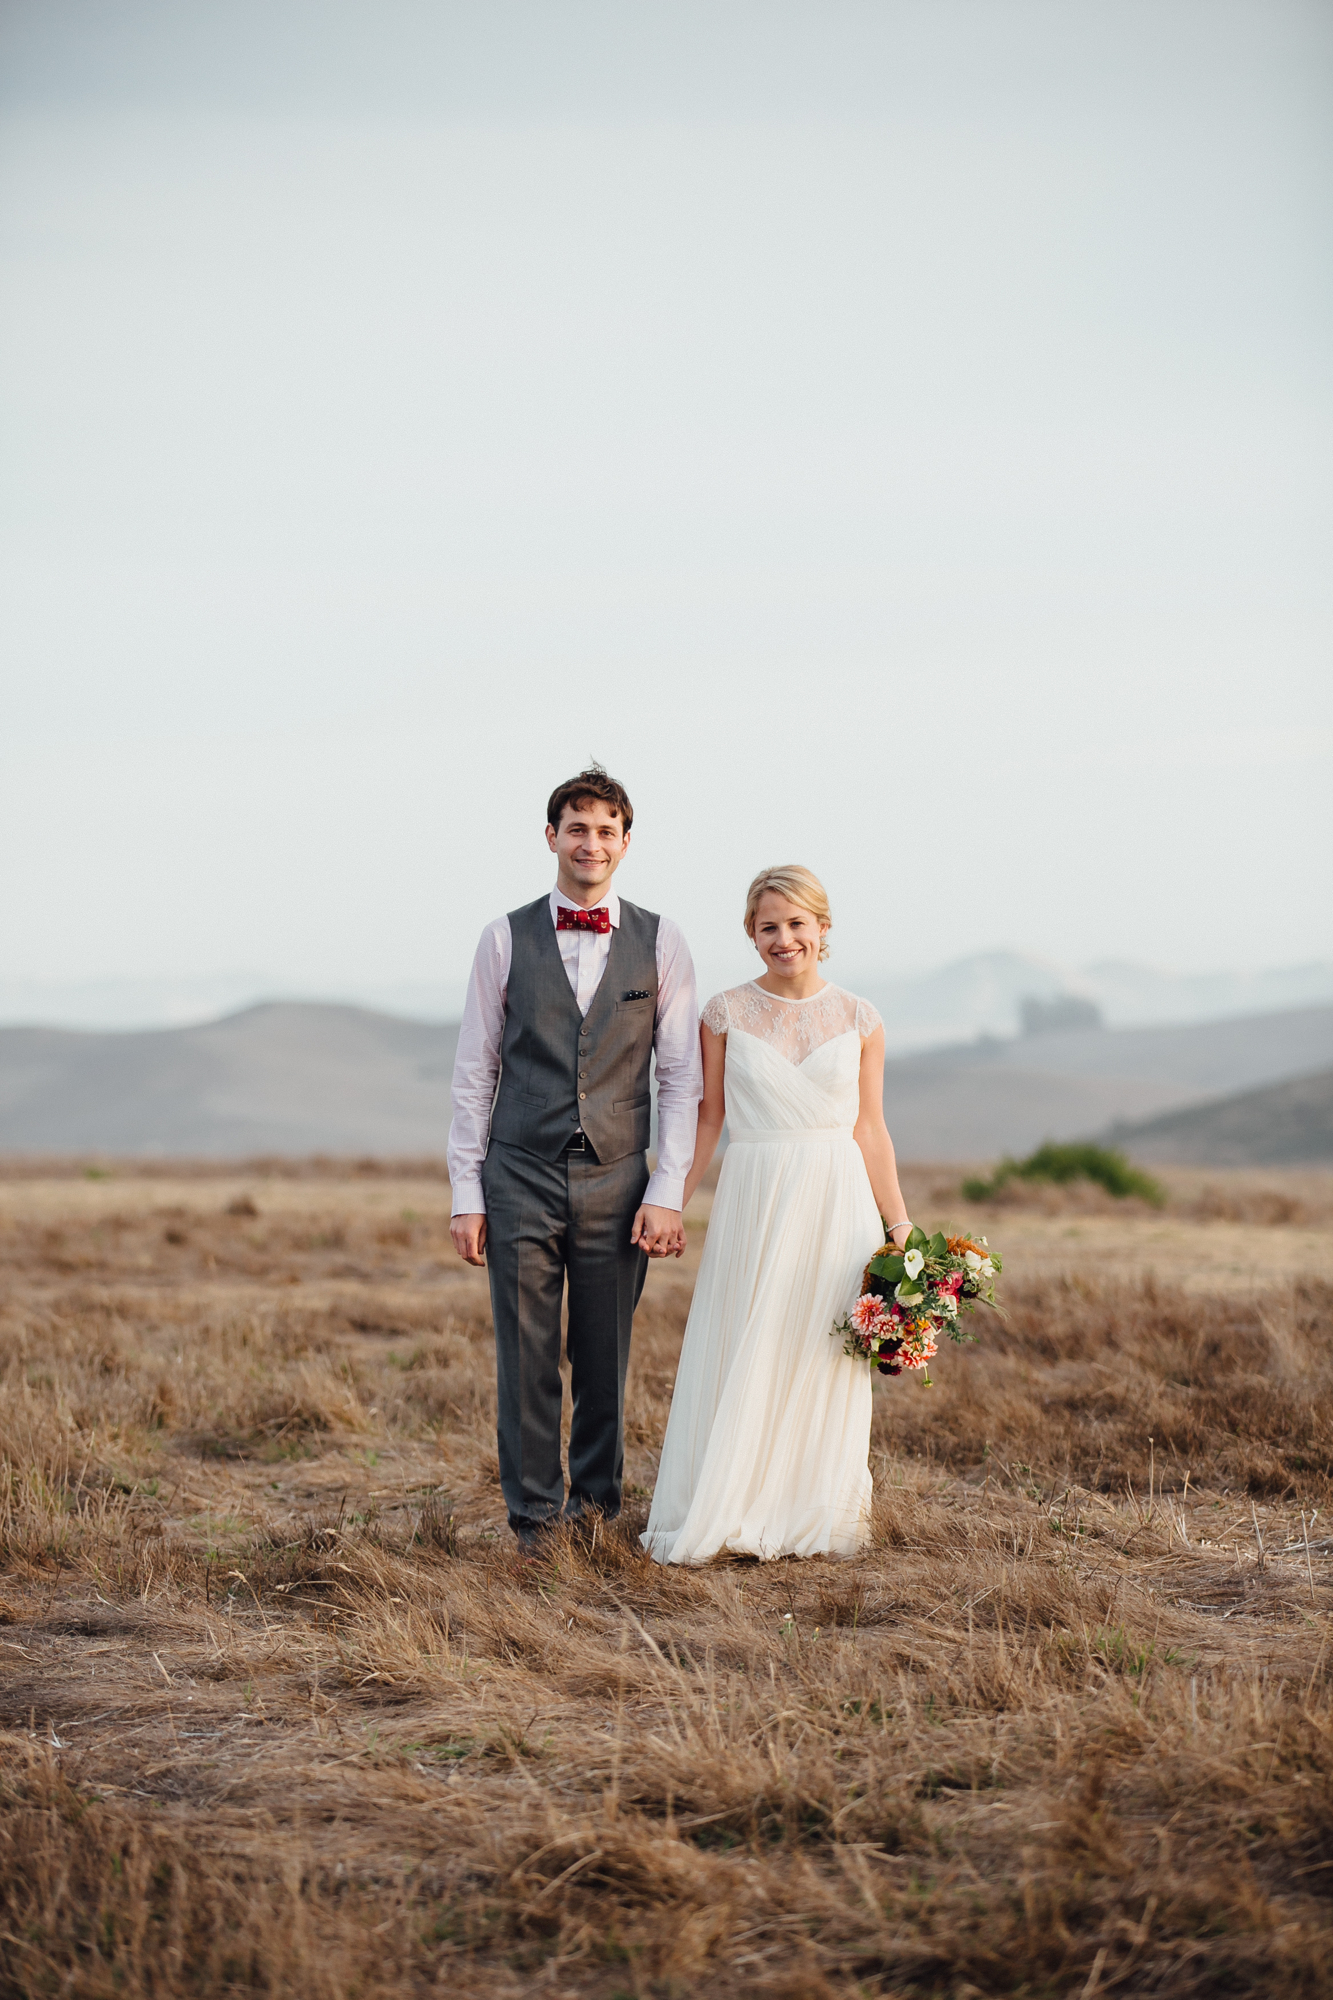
(283, 1714)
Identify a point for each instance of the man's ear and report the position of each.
(550, 838)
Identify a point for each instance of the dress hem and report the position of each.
(660, 1544)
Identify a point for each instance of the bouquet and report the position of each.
(909, 1296)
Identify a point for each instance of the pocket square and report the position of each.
(642, 994)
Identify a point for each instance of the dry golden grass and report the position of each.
(283, 1713)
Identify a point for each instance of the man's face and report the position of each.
(589, 844)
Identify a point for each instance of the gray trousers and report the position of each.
(547, 1220)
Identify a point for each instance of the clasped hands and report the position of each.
(658, 1231)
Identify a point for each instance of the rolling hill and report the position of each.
(991, 1096)
(300, 1077)
(1285, 1124)
(285, 1077)
(982, 993)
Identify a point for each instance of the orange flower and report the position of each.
(959, 1244)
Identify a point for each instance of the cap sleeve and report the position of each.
(715, 1016)
(868, 1018)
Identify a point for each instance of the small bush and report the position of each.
(1063, 1164)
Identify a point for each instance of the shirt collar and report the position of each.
(610, 903)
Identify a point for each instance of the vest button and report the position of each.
(582, 1095)
(583, 1072)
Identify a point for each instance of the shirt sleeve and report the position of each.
(868, 1019)
(680, 1074)
(477, 1066)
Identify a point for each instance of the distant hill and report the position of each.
(980, 994)
(287, 1077)
(136, 1005)
(1286, 1124)
(991, 1096)
(984, 994)
(299, 1077)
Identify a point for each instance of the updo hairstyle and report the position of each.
(798, 885)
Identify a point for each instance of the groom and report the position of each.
(570, 999)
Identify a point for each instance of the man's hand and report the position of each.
(469, 1234)
(659, 1231)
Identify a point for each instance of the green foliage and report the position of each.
(1062, 1164)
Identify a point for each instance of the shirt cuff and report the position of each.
(468, 1197)
(665, 1191)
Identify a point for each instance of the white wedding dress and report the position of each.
(769, 1433)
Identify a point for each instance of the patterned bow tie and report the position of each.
(598, 920)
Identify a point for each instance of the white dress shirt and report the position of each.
(675, 1049)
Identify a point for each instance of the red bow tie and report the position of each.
(598, 920)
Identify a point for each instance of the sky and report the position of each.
(893, 437)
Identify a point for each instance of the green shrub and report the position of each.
(1062, 1164)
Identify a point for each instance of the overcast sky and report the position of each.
(894, 438)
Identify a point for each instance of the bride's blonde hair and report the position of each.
(798, 885)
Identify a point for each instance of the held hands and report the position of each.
(469, 1237)
(659, 1231)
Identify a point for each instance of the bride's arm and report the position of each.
(872, 1136)
(712, 1111)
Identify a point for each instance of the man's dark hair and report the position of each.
(590, 784)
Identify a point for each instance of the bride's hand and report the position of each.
(676, 1248)
(658, 1231)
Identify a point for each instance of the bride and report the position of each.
(769, 1434)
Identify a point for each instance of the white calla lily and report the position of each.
(912, 1263)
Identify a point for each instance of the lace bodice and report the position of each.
(794, 1029)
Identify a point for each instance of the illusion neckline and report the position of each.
(783, 1001)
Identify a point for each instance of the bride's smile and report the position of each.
(790, 941)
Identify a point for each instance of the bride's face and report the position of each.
(786, 936)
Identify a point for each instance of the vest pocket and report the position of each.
(632, 1104)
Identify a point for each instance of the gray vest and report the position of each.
(559, 1071)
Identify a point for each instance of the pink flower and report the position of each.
(868, 1314)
